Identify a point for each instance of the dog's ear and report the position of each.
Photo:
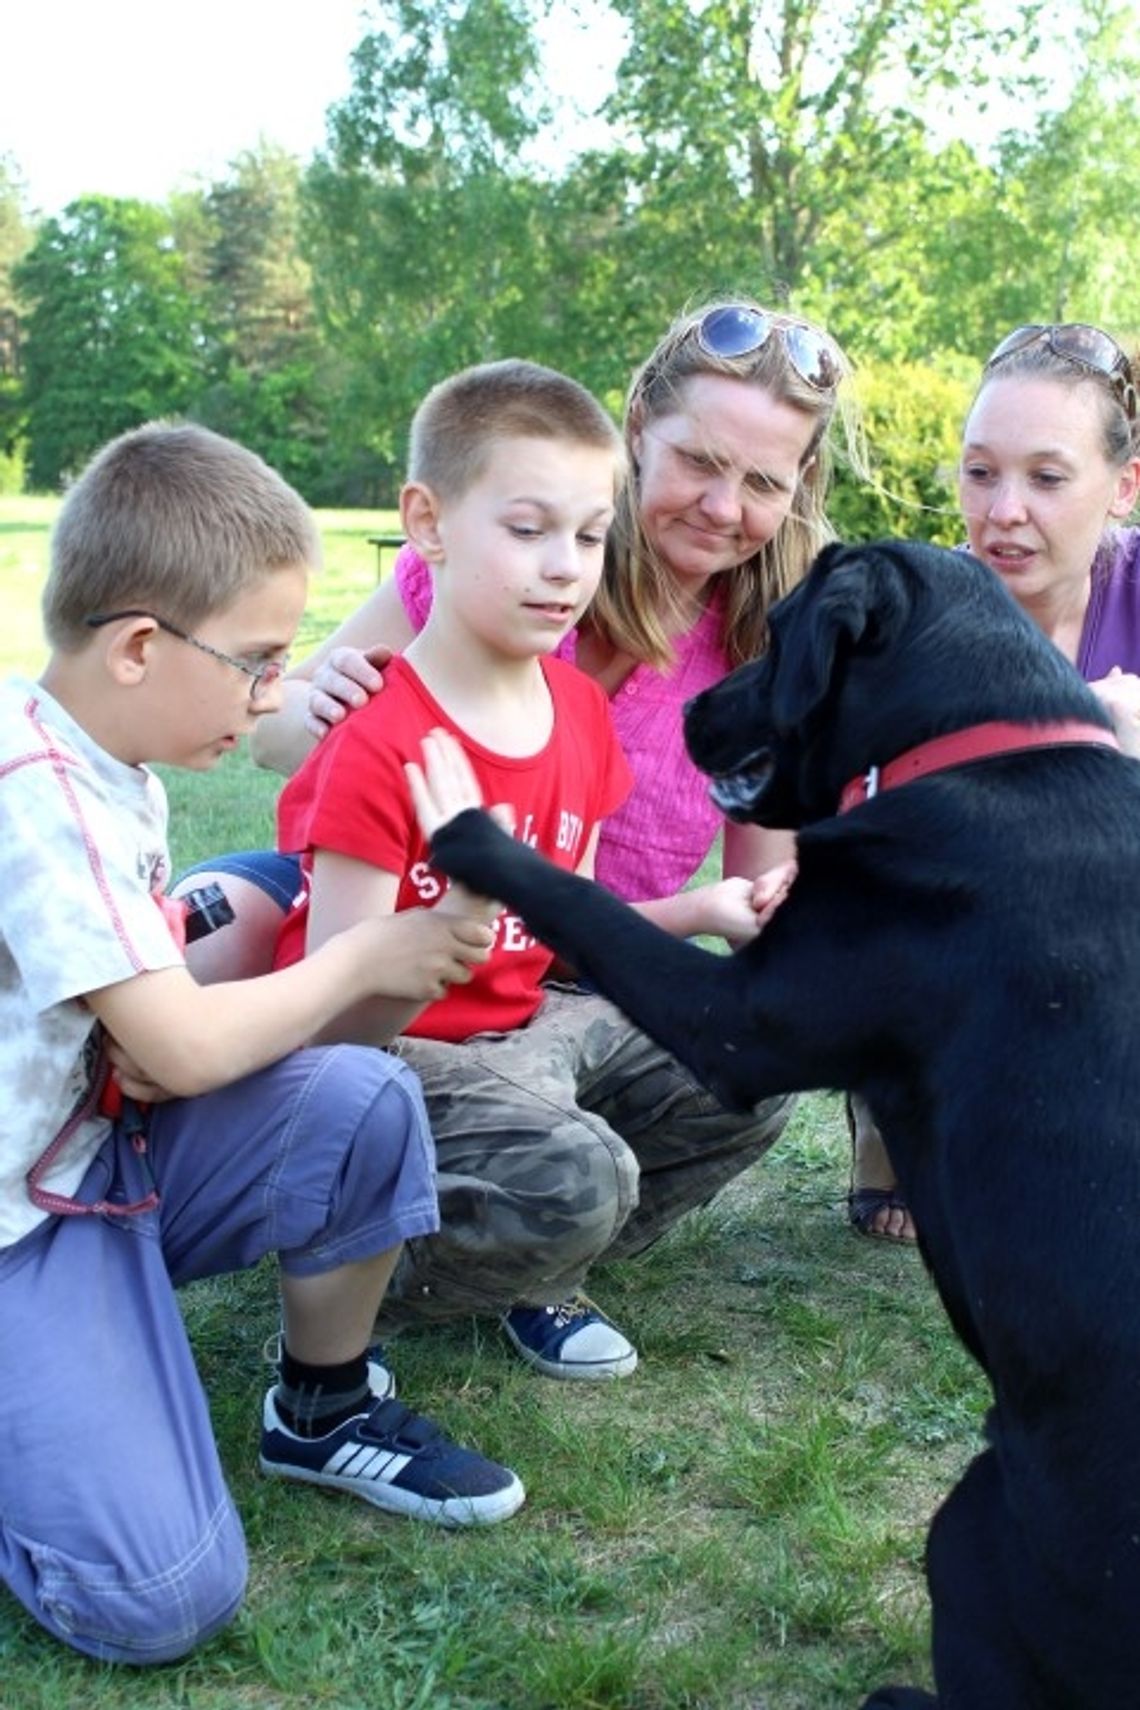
(855, 597)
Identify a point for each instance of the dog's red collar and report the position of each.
(976, 742)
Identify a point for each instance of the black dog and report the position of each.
(963, 948)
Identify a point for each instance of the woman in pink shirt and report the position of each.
(727, 427)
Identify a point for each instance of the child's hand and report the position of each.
(421, 952)
(445, 785)
(457, 900)
(131, 1078)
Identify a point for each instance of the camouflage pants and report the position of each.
(571, 1138)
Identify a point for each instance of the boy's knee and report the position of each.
(105, 1611)
(562, 1204)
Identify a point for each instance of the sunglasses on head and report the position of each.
(1083, 345)
(736, 330)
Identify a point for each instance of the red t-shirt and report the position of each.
(351, 797)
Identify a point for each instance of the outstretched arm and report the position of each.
(691, 1001)
(346, 891)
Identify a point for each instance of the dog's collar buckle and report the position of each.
(960, 747)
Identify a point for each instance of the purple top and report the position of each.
(1111, 633)
(654, 843)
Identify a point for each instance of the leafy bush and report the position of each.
(12, 470)
(912, 417)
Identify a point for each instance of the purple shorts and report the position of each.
(117, 1531)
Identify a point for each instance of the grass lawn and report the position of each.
(737, 1527)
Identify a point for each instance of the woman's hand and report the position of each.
(1120, 693)
(724, 910)
(770, 890)
(738, 909)
(347, 679)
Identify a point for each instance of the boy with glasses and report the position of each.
(179, 573)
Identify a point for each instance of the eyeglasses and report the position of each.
(1086, 346)
(263, 676)
(736, 330)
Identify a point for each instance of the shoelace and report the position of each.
(567, 1310)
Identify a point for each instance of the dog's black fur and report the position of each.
(965, 951)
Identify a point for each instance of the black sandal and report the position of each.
(864, 1204)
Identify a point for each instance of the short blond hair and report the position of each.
(460, 422)
(172, 518)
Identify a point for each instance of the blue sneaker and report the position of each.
(571, 1340)
(398, 1460)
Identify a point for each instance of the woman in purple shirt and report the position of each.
(1050, 469)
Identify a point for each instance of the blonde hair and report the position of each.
(174, 518)
(638, 604)
(457, 426)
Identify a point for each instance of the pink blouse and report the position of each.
(654, 843)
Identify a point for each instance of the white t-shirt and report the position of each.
(82, 850)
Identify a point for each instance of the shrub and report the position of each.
(11, 471)
(913, 420)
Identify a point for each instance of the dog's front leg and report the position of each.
(689, 1000)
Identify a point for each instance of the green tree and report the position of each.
(111, 336)
(428, 233)
(793, 146)
(783, 149)
(1072, 188)
(261, 351)
(15, 239)
(1041, 229)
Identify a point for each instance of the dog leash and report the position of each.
(975, 742)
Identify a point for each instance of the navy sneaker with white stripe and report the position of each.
(398, 1460)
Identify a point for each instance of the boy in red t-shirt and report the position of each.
(552, 1114)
